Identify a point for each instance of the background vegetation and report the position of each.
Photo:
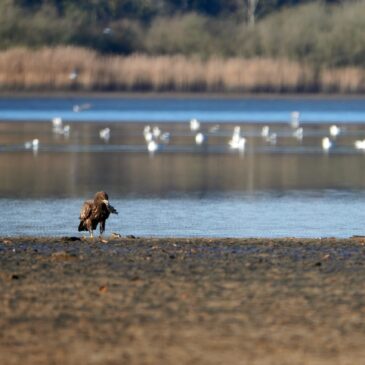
(326, 37)
(51, 68)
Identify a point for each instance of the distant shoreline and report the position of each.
(175, 95)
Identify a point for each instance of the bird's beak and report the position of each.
(106, 202)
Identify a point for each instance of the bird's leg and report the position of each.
(102, 229)
(91, 234)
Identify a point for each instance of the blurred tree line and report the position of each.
(323, 32)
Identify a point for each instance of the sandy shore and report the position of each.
(182, 301)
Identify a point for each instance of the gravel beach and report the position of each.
(182, 301)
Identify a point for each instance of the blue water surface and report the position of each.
(319, 193)
(262, 214)
(159, 109)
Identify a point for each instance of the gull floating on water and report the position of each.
(79, 108)
(34, 144)
(155, 134)
(214, 128)
(152, 146)
(147, 133)
(326, 143)
(269, 137)
(272, 138)
(265, 131)
(57, 122)
(104, 134)
(156, 131)
(298, 134)
(199, 138)
(146, 129)
(66, 130)
(237, 141)
(57, 125)
(360, 144)
(165, 137)
(59, 128)
(334, 130)
(194, 124)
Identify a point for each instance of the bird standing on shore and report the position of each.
(94, 212)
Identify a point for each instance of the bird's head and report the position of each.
(102, 197)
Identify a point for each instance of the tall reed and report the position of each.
(50, 69)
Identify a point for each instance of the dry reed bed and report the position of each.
(50, 68)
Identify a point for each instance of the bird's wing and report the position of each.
(112, 209)
(86, 210)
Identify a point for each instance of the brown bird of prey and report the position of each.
(94, 212)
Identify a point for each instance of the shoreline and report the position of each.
(177, 95)
(109, 241)
(180, 239)
(184, 301)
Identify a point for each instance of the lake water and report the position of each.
(169, 109)
(263, 214)
(283, 186)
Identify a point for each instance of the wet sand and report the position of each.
(182, 301)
